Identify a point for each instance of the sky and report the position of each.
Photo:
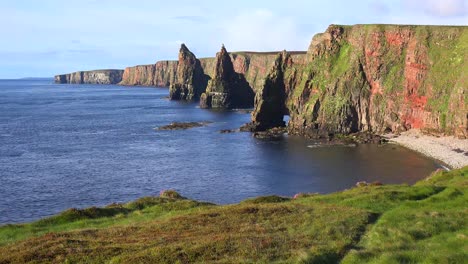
(48, 37)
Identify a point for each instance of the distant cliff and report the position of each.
(160, 74)
(91, 77)
(376, 78)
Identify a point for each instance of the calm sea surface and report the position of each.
(65, 146)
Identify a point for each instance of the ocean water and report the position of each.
(64, 146)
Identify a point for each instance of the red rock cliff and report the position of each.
(160, 74)
(380, 78)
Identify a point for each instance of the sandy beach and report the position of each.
(450, 150)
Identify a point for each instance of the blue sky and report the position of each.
(43, 38)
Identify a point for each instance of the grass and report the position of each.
(424, 223)
(141, 210)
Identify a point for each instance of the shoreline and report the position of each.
(447, 149)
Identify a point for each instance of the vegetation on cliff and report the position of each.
(424, 223)
(377, 78)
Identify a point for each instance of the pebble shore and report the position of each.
(450, 150)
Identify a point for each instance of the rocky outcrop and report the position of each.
(190, 81)
(227, 89)
(91, 77)
(160, 74)
(254, 67)
(270, 100)
(374, 78)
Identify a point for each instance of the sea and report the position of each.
(75, 146)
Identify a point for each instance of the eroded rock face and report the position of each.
(91, 77)
(190, 81)
(228, 89)
(377, 78)
(160, 74)
(270, 101)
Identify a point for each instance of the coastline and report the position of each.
(448, 149)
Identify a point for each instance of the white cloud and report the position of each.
(262, 30)
(441, 8)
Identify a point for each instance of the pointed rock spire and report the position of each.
(270, 101)
(190, 81)
(227, 89)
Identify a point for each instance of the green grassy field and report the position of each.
(424, 223)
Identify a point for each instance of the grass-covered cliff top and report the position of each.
(424, 223)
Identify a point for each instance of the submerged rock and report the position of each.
(228, 131)
(273, 134)
(182, 125)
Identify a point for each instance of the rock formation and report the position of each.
(362, 78)
(190, 81)
(160, 74)
(270, 101)
(91, 77)
(228, 89)
(374, 78)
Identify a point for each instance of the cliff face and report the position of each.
(227, 88)
(160, 74)
(91, 77)
(256, 65)
(378, 78)
(190, 81)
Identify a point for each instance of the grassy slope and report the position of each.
(424, 223)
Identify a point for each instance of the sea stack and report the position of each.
(228, 89)
(190, 81)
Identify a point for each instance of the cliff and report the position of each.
(227, 88)
(256, 65)
(91, 77)
(160, 74)
(375, 78)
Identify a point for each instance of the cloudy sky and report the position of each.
(43, 38)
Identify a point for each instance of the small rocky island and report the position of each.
(183, 125)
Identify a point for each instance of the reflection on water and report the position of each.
(65, 146)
